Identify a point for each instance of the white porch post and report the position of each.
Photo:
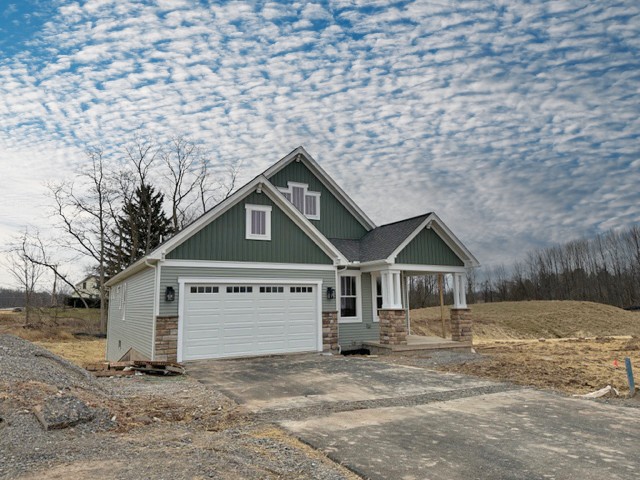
(391, 291)
(459, 290)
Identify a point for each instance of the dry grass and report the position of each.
(535, 319)
(56, 331)
(79, 351)
(571, 365)
(506, 333)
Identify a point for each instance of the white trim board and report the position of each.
(182, 281)
(257, 265)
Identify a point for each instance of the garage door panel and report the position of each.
(266, 320)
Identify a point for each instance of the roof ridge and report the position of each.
(405, 219)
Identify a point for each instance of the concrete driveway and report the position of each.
(387, 421)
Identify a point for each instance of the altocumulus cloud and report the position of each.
(517, 122)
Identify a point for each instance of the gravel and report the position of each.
(144, 427)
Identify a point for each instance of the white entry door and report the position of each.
(232, 320)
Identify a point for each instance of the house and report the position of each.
(89, 290)
(288, 263)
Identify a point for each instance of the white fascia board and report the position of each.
(325, 179)
(250, 281)
(303, 222)
(453, 241)
(136, 267)
(245, 265)
(405, 267)
(445, 234)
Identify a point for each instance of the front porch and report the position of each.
(391, 285)
(415, 344)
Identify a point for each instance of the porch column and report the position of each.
(461, 323)
(459, 290)
(391, 291)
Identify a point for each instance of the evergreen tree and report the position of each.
(140, 228)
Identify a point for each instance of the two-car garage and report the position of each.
(220, 319)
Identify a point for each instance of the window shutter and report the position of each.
(298, 198)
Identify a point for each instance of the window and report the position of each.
(84, 285)
(301, 290)
(271, 289)
(258, 222)
(240, 289)
(306, 202)
(350, 297)
(203, 289)
(376, 286)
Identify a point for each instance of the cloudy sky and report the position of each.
(517, 122)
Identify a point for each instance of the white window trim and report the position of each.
(358, 275)
(262, 208)
(374, 305)
(307, 193)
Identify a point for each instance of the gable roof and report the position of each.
(380, 242)
(302, 155)
(385, 242)
(258, 183)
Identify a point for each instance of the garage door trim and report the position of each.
(182, 281)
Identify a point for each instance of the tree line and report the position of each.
(121, 204)
(603, 269)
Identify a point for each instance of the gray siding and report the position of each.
(351, 335)
(135, 330)
(169, 277)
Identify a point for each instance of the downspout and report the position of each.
(156, 300)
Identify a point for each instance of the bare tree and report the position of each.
(187, 176)
(85, 214)
(26, 273)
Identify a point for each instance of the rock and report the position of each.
(63, 412)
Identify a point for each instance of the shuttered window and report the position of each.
(306, 202)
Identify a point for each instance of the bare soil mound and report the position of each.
(535, 319)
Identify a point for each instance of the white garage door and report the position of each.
(231, 320)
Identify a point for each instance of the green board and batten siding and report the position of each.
(169, 277)
(224, 239)
(427, 248)
(335, 220)
(135, 330)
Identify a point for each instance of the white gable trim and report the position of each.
(447, 236)
(328, 182)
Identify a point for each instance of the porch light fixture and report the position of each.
(331, 293)
(170, 294)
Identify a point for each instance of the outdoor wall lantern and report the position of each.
(170, 294)
(331, 293)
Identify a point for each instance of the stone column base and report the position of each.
(461, 325)
(166, 341)
(329, 331)
(393, 327)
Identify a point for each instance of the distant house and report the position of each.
(287, 263)
(89, 289)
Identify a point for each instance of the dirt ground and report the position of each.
(574, 366)
(534, 319)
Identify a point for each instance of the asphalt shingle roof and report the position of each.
(380, 242)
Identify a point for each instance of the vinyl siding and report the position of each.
(136, 329)
(169, 277)
(335, 219)
(427, 248)
(351, 335)
(224, 239)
